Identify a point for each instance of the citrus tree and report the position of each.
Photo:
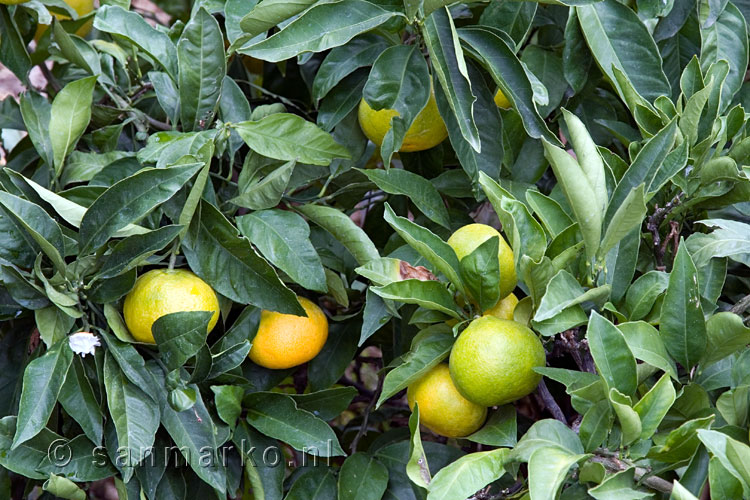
(251, 250)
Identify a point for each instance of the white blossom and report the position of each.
(83, 343)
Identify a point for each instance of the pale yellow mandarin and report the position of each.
(442, 409)
(82, 7)
(493, 360)
(160, 292)
(501, 101)
(427, 131)
(467, 238)
(286, 340)
(504, 307)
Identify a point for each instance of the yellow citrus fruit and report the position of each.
(501, 101)
(504, 307)
(492, 361)
(442, 409)
(286, 340)
(427, 131)
(466, 239)
(12, 2)
(82, 7)
(160, 292)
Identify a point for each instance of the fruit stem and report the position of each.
(173, 255)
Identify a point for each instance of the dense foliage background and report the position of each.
(224, 135)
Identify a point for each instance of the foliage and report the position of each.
(226, 141)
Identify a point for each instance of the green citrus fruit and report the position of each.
(442, 409)
(160, 292)
(427, 131)
(82, 7)
(466, 239)
(286, 340)
(493, 359)
(501, 101)
(504, 307)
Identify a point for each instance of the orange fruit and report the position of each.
(504, 307)
(501, 101)
(82, 7)
(286, 340)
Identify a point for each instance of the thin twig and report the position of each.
(550, 403)
(741, 306)
(654, 221)
(363, 428)
(50, 77)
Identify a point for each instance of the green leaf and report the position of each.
(78, 399)
(448, 63)
(63, 488)
(320, 28)
(329, 365)
(265, 477)
(135, 197)
(181, 335)
(642, 294)
(490, 133)
(36, 111)
(619, 486)
(429, 245)
(588, 158)
(544, 434)
(481, 273)
(269, 13)
(499, 430)
(564, 291)
(465, 476)
(726, 334)
(267, 192)
(617, 38)
(629, 216)
(527, 235)
(399, 80)
(417, 467)
(654, 405)
(133, 250)
(134, 414)
(548, 468)
(43, 379)
(613, 358)
(344, 230)
(726, 39)
(343, 60)
(278, 416)
(681, 323)
(228, 399)
(429, 294)
(596, 425)
(202, 66)
(630, 421)
(682, 442)
(644, 168)
(196, 434)
(13, 53)
(39, 230)
(328, 403)
(646, 345)
(363, 477)
(514, 18)
(729, 239)
(733, 455)
(230, 265)
(418, 189)
(733, 405)
(132, 364)
(489, 48)
(132, 26)
(284, 239)
(286, 137)
(722, 483)
(317, 483)
(419, 360)
(26, 458)
(579, 193)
